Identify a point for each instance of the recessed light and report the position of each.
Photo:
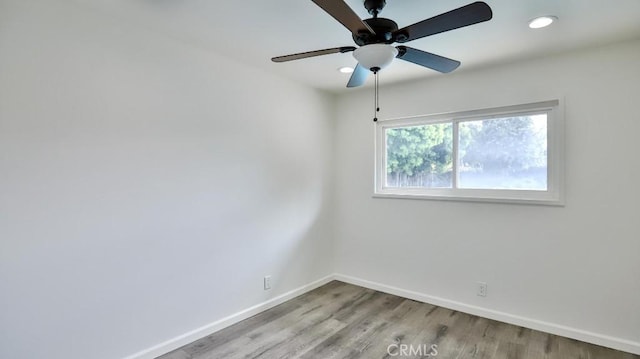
(542, 21)
(346, 70)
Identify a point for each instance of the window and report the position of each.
(508, 154)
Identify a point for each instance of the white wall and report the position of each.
(146, 186)
(575, 266)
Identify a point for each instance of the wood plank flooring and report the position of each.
(340, 320)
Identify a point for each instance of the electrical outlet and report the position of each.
(267, 282)
(482, 289)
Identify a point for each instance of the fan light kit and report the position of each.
(375, 56)
(375, 36)
(542, 21)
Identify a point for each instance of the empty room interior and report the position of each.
(194, 179)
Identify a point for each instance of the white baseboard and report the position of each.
(179, 341)
(557, 329)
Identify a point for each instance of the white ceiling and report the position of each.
(253, 31)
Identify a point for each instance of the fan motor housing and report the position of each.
(384, 29)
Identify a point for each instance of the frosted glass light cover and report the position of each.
(375, 55)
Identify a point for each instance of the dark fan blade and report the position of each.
(427, 59)
(454, 19)
(359, 76)
(304, 55)
(344, 14)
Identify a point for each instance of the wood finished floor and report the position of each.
(340, 320)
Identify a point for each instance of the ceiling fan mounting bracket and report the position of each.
(374, 6)
(384, 29)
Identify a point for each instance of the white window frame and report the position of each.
(555, 157)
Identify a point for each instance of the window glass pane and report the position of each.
(419, 156)
(504, 153)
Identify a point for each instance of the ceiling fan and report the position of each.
(374, 37)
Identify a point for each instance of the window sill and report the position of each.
(496, 199)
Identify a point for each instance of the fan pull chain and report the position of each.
(376, 100)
